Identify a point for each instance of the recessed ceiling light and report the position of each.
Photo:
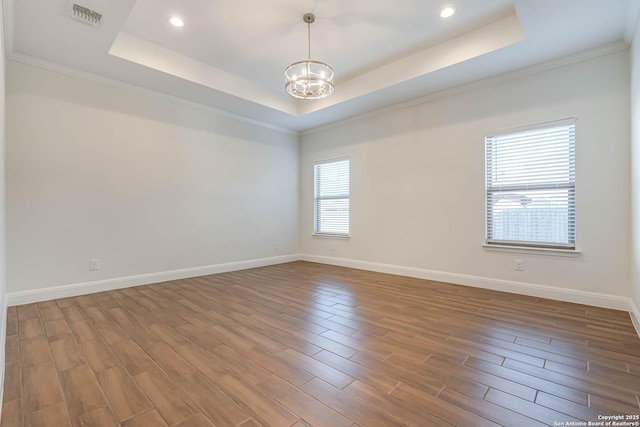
(176, 22)
(447, 12)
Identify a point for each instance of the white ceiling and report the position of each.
(231, 54)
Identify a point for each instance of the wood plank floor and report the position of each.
(304, 344)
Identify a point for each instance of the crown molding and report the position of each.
(7, 17)
(62, 69)
(524, 72)
(490, 81)
(632, 20)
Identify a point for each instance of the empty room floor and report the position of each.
(305, 344)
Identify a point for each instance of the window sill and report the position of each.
(331, 236)
(570, 253)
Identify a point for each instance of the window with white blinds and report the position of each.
(530, 187)
(331, 199)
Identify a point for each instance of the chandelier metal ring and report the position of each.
(309, 79)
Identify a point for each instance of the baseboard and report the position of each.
(635, 316)
(530, 289)
(522, 288)
(64, 291)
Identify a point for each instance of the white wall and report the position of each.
(3, 287)
(417, 179)
(635, 172)
(142, 184)
(148, 186)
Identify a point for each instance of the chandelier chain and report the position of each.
(309, 40)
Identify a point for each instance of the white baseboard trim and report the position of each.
(72, 290)
(635, 316)
(522, 288)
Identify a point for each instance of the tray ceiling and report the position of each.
(231, 55)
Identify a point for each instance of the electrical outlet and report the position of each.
(276, 247)
(94, 264)
(519, 265)
(332, 246)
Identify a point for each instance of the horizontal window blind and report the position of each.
(530, 187)
(332, 197)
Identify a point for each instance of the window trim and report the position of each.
(560, 249)
(321, 234)
(571, 253)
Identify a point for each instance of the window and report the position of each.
(331, 197)
(530, 187)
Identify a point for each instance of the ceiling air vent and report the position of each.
(84, 14)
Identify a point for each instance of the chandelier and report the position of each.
(309, 79)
